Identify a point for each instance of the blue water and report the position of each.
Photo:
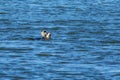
(85, 42)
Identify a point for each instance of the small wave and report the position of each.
(3, 13)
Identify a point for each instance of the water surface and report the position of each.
(85, 40)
